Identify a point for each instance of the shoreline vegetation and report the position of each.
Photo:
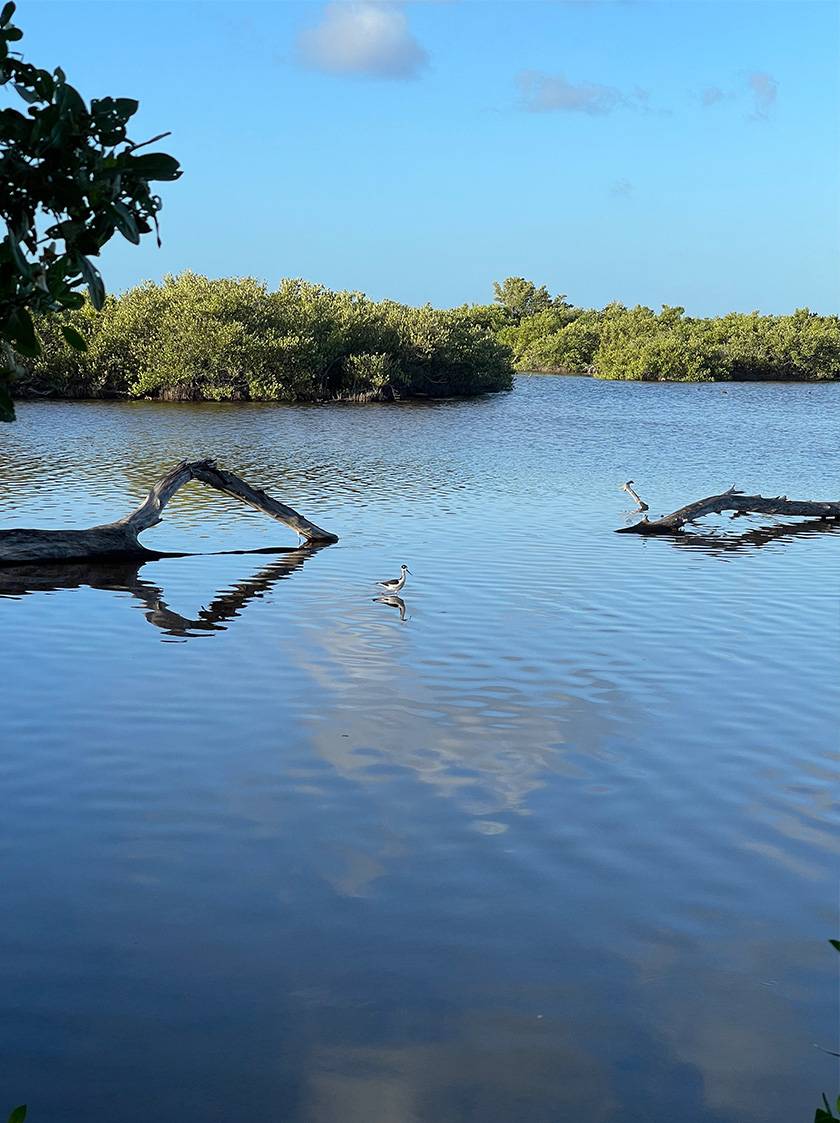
(546, 335)
(191, 338)
(195, 339)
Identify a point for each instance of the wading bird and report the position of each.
(395, 583)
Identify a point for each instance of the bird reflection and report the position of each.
(394, 602)
(124, 576)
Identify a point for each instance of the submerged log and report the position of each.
(120, 539)
(733, 500)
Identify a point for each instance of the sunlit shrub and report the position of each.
(637, 343)
(194, 338)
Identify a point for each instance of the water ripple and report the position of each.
(558, 840)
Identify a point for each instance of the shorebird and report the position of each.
(395, 583)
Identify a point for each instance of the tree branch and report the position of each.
(120, 539)
(733, 500)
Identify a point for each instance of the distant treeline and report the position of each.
(191, 339)
(549, 335)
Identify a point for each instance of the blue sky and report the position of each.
(679, 152)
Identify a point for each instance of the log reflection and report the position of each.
(125, 576)
(754, 539)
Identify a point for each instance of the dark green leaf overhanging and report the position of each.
(70, 178)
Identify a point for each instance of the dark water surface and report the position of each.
(561, 845)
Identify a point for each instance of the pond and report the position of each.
(558, 841)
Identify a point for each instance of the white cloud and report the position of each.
(711, 95)
(764, 89)
(547, 93)
(544, 93)
(363, 37)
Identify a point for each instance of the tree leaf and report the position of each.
(20, 330)
(155, 165)
(93, 281)
(28, 95)
(835, 944)
(7, 13)
(72, 300)
(126, 107)
(126, 223)
(7, 413)
(76, 341)
(23, 266)
(70, 100)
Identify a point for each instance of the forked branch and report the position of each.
(120, 539)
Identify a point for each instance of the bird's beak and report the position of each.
(408, 571)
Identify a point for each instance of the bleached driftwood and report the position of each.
(733, 500)
(120, 539)
(640, 503)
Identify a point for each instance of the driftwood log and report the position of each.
(120, 539)
(740, 504)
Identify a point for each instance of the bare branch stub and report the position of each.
(740, 504)
(640, 503)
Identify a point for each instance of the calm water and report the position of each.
(561, 845)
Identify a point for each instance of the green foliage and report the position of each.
(825, 1114)
(521, 298)
(18, 1115)
(490, 317)
(558, 339)
(193, 338)
(639, 344)
(70, 178)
